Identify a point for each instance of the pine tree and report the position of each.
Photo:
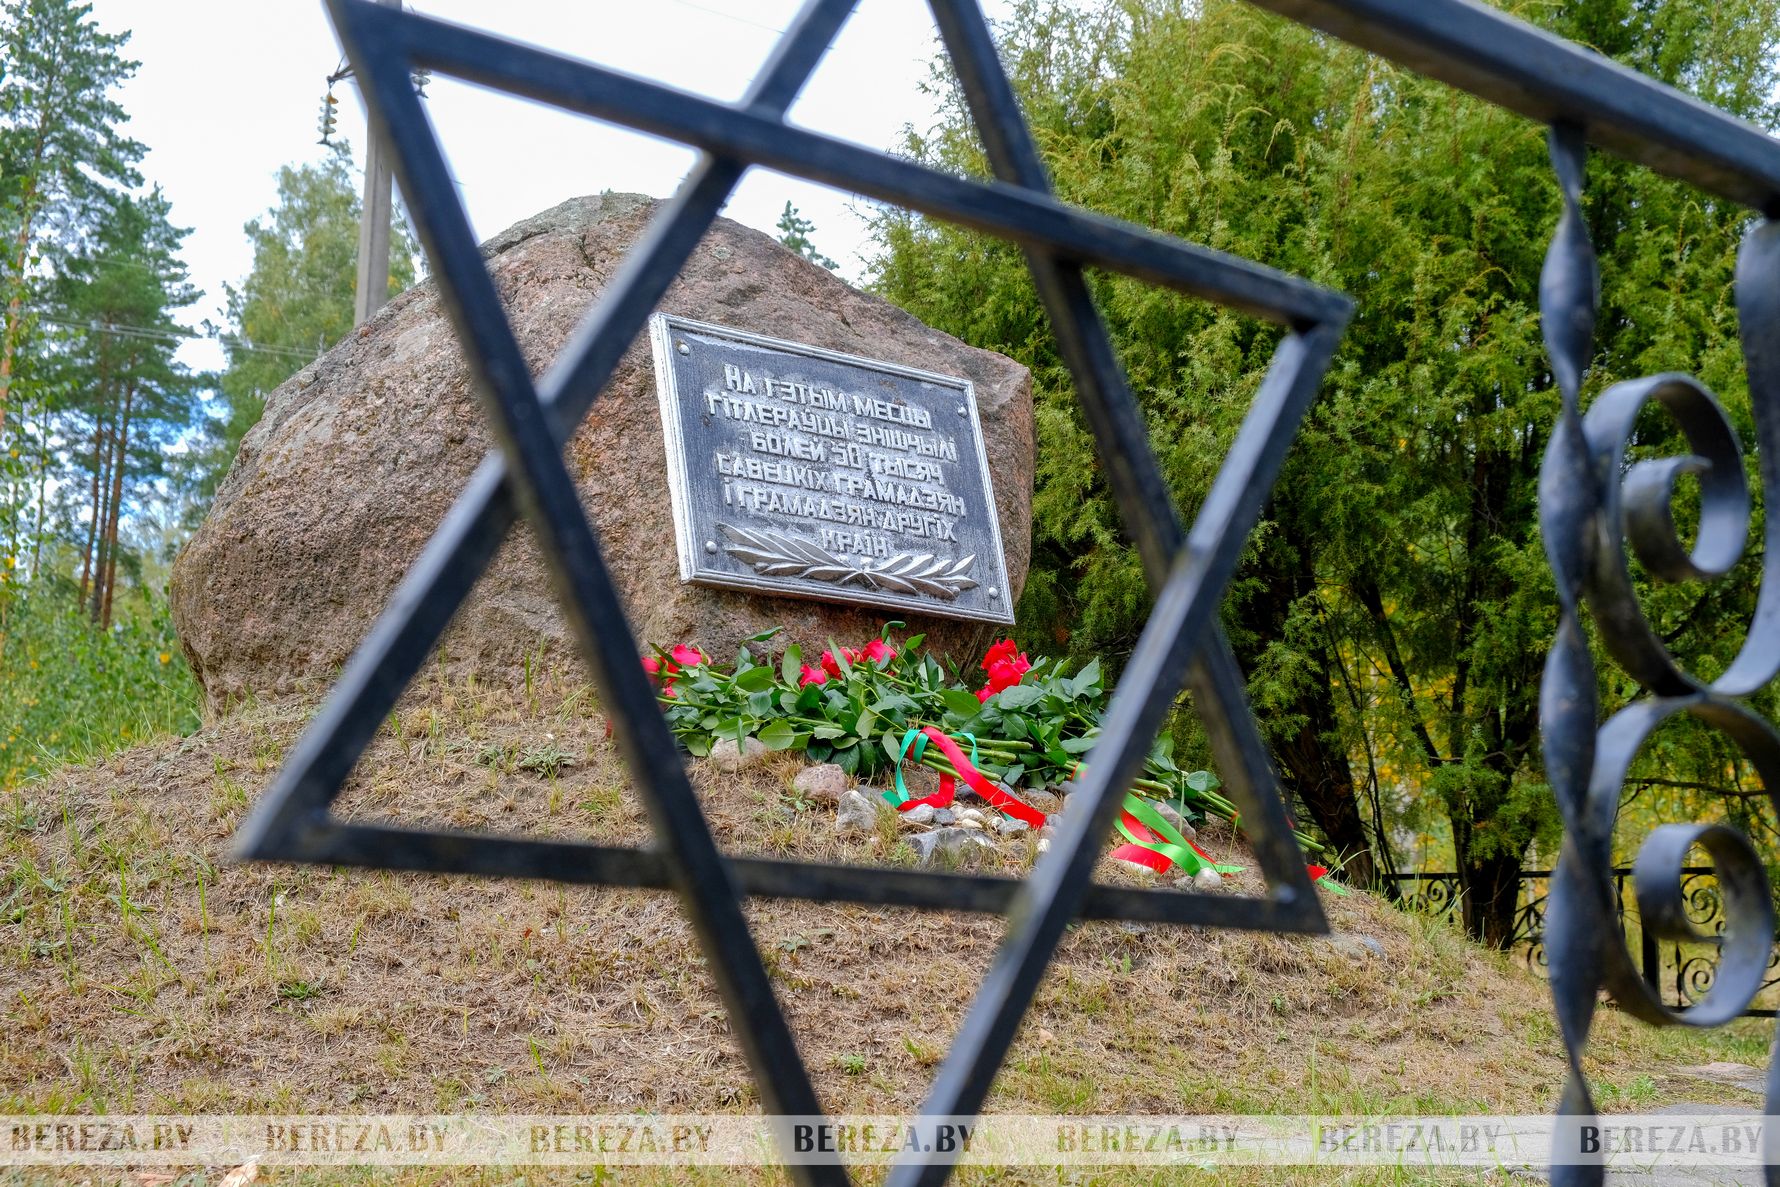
(59, 142)
(123, 291)
(298, 299)
(795, 231)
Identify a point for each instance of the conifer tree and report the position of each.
(1393, 610)
(120, 294)
(794, 232)
(59, 144)
(297, 301)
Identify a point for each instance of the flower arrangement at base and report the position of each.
(883, 706)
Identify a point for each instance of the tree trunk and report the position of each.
(86, 561)
(42, 490)
(1313, 764)
(101, 516)
(15, 304)
(117, 499)
(1319, 772)
(87, 571)
(1490, 889)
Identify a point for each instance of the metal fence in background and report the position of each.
(1681, 972)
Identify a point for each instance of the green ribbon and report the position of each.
(914, 737)
(918, 739)
(1173, 845)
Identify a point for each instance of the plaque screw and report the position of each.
(960, 410)
(711, 546)
(685, 349)
(993, 592)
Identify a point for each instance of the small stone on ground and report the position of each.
(855, 814)
(1167, 812)
(727, 756)
(1355, 946)
(953, 843)
(823, 782)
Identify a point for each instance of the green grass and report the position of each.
(73, 693)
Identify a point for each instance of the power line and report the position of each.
(729, 16)
(154, 334)
(123, 262)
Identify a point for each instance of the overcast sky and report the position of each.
(229, 90)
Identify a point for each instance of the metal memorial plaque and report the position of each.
(803, 472)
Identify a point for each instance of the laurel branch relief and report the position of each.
(779, 554)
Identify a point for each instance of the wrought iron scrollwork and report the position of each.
(1696, 965)
(1528, 935)
(1596, 507)
(1432, 894)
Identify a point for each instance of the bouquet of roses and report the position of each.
(882, 706)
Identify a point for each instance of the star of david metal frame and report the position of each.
(1585, 98)
(527, 477)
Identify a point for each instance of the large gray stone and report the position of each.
(359, 456)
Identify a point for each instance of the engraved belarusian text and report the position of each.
(831, 475)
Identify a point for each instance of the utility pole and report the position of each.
(373, 228)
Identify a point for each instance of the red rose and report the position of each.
(1006, 671)
(661, 672)
(879, 652)
(1010, 672)
(688, 656)
(1316, 872)
(833, 667)
(811, 675)
(1003, 650)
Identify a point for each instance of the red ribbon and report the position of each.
(999, 799)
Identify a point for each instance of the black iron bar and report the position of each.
(1188, 572)
(546, 494)
(376, 846)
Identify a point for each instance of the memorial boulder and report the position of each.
(779, 449)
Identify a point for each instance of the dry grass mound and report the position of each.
(145, 972)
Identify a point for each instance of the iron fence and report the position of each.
(1680, 972)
